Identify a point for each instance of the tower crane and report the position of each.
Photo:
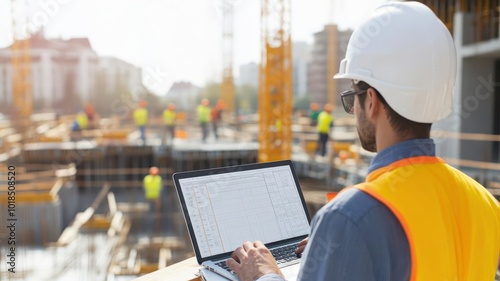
(22, 97)
(275, 82)
(227, 86)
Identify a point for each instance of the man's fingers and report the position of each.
(300, 249)
(304, 241)
(238, 254)
(301, 246)
(233, 265)
(259, 244)
(247, 245)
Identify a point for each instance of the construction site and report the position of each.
(80, 211)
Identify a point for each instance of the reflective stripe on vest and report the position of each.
(169, 117)
(141, 116)
(452, 223)
(324, 121)
(152, 187)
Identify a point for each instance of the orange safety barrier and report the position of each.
(181, 134)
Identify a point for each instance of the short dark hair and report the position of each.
(400, 124)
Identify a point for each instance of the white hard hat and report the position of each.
(405, 52)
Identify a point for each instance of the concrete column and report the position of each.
(83, 76)
(45, 85)
(451, 147)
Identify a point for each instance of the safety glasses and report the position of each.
(347, 98)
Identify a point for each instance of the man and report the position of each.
(314, 113)
(80, 123)
(141, 119)
(216, 116)
(169, 119)
(325, 122)
(203, 111)
(152, 185)
(90, 112)
(415, 217)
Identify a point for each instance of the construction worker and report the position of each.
(152, 185)
(80, 122)
(325, 122)
(415, 218)
(90, 112)
(169, 119)
(141, 119)
(314, 113)
(203, 111)
(216, 116)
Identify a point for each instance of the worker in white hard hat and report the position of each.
(415, 217)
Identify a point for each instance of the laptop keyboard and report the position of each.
(285, 254)
(282, 255)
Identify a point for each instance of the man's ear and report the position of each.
(373, 104)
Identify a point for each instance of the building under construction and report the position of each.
(80, 208)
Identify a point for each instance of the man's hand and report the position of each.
(301, 246)
(252, 261)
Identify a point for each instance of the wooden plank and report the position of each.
(112, 204)
(119, 183)
(39, 186)
(120, 171)
(164, 257)
(30, 197)
(181, 271)
(473, 164)
(133, 207)
(97, 222)
(70, 232)
(495, 192)
(57, 186)
(494, 184)
(465, 136)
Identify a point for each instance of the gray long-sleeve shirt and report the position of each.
(356, 237)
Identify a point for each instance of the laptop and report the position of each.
(224, 207)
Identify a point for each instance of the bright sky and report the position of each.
(177, 39)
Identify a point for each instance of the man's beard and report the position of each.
(366, 132)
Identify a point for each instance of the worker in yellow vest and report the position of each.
(153, 186)
(203, 111)
(415, 217)
(141, 119)
(169, 120)
(80, 122)
(325, 122)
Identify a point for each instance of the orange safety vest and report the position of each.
(452, 223)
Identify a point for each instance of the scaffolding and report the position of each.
(485, 15)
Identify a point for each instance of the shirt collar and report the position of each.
(402, 150)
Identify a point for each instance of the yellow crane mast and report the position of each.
(275, 82)
(227, 86)
(22, 96)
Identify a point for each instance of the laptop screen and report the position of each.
(227, 209)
